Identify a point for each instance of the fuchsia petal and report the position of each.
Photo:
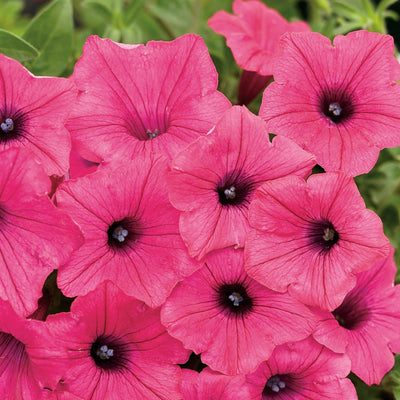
(358, 75)
(152, 259)
(307, 371)
(142, 363)
(212, 385)
(366, 322)
(253, 33)
(288, 248)
(29, 368)
(237, 153)
(39, 107)
(143, 97)
(233, 338)
(36, 236)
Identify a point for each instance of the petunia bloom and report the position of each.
(302, 370)
(213, 180)
(117, 349)
(310, 238)
(33, 111)
(253, 35)
(130, 228)
(29, 368)
(158, 97)
(366, 322)
(212, 385)
(231, 319)
(36, 237)
(338, 102)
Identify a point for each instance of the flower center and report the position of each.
(233, 298)
(336, 104)
(329, 234)
(235, 190)
(121, 233)
(323, 235)
(109, 353)
(104, 353)
(353, 312)
(152, 134)
(275, 384)
(12, 125)
(7, 126)
(335, 110)
(230, 193)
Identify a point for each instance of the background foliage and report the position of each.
(47, 37)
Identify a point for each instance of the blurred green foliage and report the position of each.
(50, 41)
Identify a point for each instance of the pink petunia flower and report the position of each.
(36, 237)
(131, 231)
(117, 349)
(158, 97)
(213, 179)
(231, 319)
(302, 370)
(212, 385)
(366, 321)
(310, 238)
(29, 368)
(338, 102)
(33, 111)
(253, 35)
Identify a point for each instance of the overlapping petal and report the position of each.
(39, 108)
(366, 322)
(302, 370)
(135, 97)
(36, 237)
(310, 238)
(336, 101)
(152, 258)
(142, 358)
(236, 154)
(232, 320)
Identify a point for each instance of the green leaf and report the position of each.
(149, 29)
(383, 5)
(51, 33)
(175, 16)
(95, 15)
(347, 11)
(369, 9)
(365, 392)
(348, 27)
(133, 10)
(15, 47)
(390, 15)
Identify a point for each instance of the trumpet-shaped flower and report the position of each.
(33, 111)
(213, 180)
(253, 35)
(338, 102)
(117, 349)
(158, 97)
(36, 237)
(302, 370)
(131, 231)
(310, 238)
(231, 319)
(366, 322)
(29, 368)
